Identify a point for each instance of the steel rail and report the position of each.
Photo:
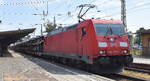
(138, 70)
(120, 77)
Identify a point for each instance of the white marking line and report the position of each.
(73, 72)
(30, 80)
(50, 75)
(2, 76)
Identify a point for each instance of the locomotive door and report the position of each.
(149, 43)
(148, 46)
(82, 38)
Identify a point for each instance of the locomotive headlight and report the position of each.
(123, 44)
(112, 39)
(102, 44)
(125, 51)
(102, 52)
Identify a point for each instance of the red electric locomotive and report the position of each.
(102, 45)
(98, 42)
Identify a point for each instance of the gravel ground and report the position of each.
(26, 68)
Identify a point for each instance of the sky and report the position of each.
(19, 14)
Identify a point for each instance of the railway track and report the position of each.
(122, 77)
(138, 70)
(117, 77)
(143, 68)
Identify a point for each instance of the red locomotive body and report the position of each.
(100, 44)
(89, 40)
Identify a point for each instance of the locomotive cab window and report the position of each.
(83, 31)
(109, 29)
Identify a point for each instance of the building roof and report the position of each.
(9, 37)
(146, 31)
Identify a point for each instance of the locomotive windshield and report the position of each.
(109, 29)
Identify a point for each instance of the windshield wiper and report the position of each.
(111, 30)
(108, 30)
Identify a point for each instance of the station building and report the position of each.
(145, 36)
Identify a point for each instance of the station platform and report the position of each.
(141, 60)
(20, 67)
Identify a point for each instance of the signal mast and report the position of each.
(123, 13)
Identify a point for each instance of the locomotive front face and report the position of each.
(111, 39)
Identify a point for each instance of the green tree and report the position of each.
(130, 36)
(138, 35)
(50, 27)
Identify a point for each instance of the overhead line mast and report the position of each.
(123, 13)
